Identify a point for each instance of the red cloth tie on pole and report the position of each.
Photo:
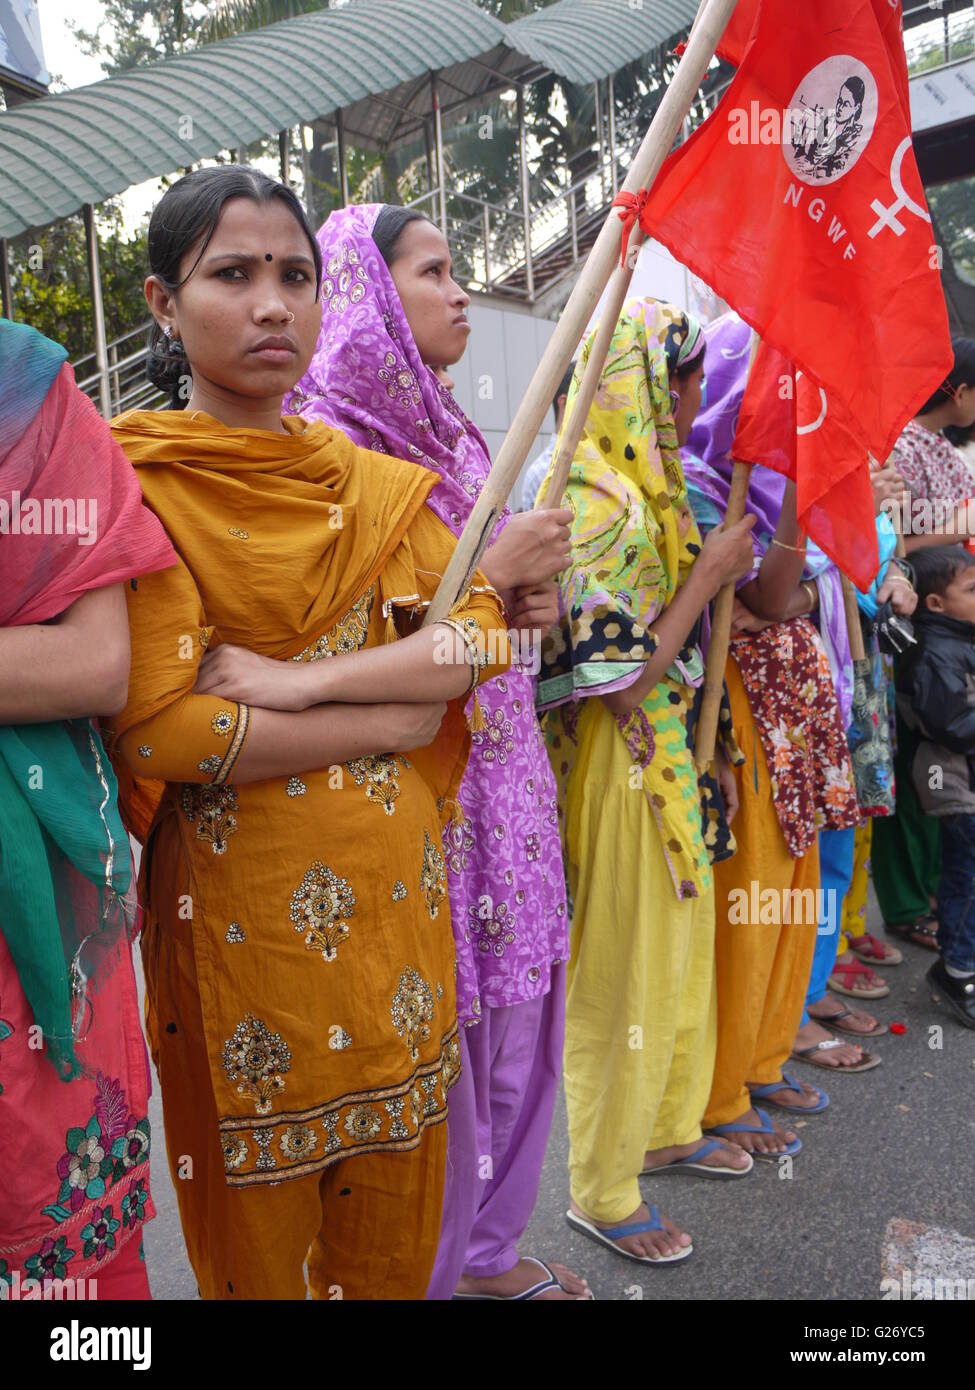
(631, 206)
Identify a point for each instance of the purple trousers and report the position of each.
(498, 1120)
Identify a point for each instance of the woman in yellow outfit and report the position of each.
(298, 951)
(619, 679)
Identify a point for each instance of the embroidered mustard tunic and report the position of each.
(316, 905)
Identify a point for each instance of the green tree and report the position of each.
(49, 279)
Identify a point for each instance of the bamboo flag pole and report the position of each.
(656, 145)
(857, 649)
(707, 723)
(576, 423)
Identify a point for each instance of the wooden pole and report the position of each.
(707, 724)
(585, 296)
(284, 156)
(857, 650)
(573, 426)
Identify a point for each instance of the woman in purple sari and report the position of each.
(393, 318)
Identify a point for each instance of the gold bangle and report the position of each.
(797, 549)
(468, 630)
(809, 587)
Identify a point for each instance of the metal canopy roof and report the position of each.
(584, 40)
(85, 145)
(372, 59)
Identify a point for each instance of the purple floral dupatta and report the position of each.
(504, 858)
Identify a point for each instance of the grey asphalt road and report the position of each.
(895, 1151)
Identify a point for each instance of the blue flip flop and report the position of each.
(765, 1127)
(789, 1083)
(695, 1168)
(609, 1237)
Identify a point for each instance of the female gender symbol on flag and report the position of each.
(887, 216)
(787, 230)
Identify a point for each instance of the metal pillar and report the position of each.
(285, 153)
(5, 292)
(599, 139)
(486, 232)
(428, 146)
(306, 173)
(438, 142)
(97, 311)
(340, 160)
(612, 133)
(525, 198)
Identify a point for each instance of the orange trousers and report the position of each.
(762, 967)
(366, 1227)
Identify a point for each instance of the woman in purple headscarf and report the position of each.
(789, 681)
(393, 318)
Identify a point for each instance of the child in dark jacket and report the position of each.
(936, 692)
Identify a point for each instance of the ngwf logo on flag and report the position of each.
(821, 239)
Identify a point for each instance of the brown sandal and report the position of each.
(923, 932)
(833, 1021)
(808, 1055)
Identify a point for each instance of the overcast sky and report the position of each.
(64, 57)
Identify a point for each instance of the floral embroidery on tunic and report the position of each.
(394, 1109)
(387, 1118)
(211, 809)
(362, 1122)
(459, 843)
(111, 1144)
(99, 1233)
(399, 891)
(319, 907)
(412, 1010)
(497, 740)
(234, 1151)
(295, 787)
(338, 1039)
(265, 1158)
(433, 876)
(348, 634)
(257, 1057)
(238, 533)
(235, 934)
(297, 1142)
(145, 750)
(380, 772)
(211, 765)
(491, 925)
(222, 722)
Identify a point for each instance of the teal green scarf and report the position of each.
(65, 871)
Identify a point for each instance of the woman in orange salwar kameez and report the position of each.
(298, 950)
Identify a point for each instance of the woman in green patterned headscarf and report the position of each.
(639, 828)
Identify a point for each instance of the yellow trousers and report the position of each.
(855, 902)
(640, 1019)
(762, 968)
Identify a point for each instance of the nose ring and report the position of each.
(291, 318)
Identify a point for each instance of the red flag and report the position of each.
(799, 201)
(788, 422)
(735, 38)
